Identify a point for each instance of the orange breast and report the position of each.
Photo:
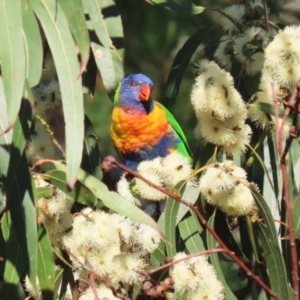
(131, 130)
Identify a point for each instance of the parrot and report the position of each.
(143, 129)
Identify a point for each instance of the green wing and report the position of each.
(183, 147)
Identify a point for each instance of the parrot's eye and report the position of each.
(131, 83)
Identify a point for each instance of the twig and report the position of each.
(51, 135)
(174, 262)
(93, 285)
(204, 223)
(292, 103)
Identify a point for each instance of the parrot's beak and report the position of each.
(145, 92)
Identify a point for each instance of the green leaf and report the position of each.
(110, 199)
(58, 282)
(190, 230)
(190, 194)
(107, 24)
(222, 229)
(261, 161)
(33, 45)
(6, 138)
(80, 193)
(275, 263)
(46, 266)
(91, 152)
(295, 163)
(269, 240)
(42, 192)
(59, 37)
(73, 10)
(110, 66)
(21, 131)
(190, 9)
(12, 55)
(296, 219)
(180, 64)
(158, 257)
(21, 206)
(265, 213)
(212, 244)
(14, 265)
(171, 211)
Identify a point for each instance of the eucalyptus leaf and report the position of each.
(190, 230)
(46, 266)
(212, 244)
(275, 263)
(269, 239)
(107, 24)
(296, 218)
(73, 10)
(59, 37)
(14, 264)
(171, 211)
(12, 56)
(33, 45)
(20, 203)
(6, 138)
(110, 66)
(180, 64)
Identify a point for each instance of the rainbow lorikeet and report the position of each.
(141, 128)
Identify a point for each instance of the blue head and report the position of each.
(135, 91)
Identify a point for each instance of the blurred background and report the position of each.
(153, 35)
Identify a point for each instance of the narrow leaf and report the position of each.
(158, 257)
(21, 205)
(107, 24)
(212, 244)
(295, 163)
(270, 244)
(20, 134)
(296, 219)
(6, 138)
(275, 263)
(105, 27)
(73, 10)
(14, 265)
(109, 65)
(191, 193)
(59, 37)
(171, 211)
(180, 64)
(190, 230)
(33, 45)
(46, 266)
(12, 55)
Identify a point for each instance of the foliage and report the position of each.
(71, 227)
